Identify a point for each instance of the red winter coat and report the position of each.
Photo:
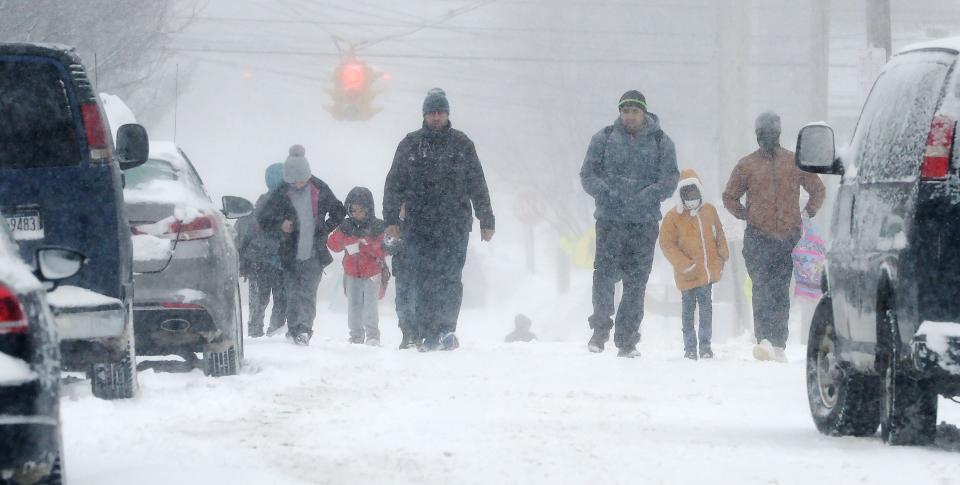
(368, 262)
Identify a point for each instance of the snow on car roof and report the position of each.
(167, 191)
(168, 152)
(949, 43)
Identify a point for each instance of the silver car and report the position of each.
(186, 281)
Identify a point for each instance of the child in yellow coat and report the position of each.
(692, 239)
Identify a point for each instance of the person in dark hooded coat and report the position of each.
(360, 237)
(260, 263)
(437, 179)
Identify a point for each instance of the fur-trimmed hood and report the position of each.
(688, 177)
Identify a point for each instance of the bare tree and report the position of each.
(122, 42)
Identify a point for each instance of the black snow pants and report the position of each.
(402, 276)
(265, 280)
(624, 253)
(770, 266)
(434, 262)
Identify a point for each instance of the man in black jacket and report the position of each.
(436, 176)
(304, 211)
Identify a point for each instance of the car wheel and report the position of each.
(909, 410)
(219, 363)
(843, 402)
(117, 379)
(56, 474)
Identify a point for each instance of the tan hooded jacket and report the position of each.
(693, 240)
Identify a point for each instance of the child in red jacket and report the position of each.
(360, 236)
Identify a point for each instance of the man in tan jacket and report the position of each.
(771, 182)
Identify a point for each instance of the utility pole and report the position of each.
(819, 59)
(878, 26)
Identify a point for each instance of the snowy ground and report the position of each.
(546, 412)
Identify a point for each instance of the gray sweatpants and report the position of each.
(362, 297)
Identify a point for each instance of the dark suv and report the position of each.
(885, 338)
(61, 184)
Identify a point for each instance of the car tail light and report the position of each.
(936, 157)
(96, 131)
(202, 227)
(12, 319)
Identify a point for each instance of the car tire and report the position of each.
(227, 362)
(117, 379)
(843, 402)
(56, 474)
(909, 400)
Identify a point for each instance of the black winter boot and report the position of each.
(409, 340)
(600, 337)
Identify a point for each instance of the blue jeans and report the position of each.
(701, 296)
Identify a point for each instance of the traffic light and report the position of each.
(353, 91)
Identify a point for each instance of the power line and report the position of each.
(542, 60)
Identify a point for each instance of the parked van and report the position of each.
(885, 338)
(61, 185)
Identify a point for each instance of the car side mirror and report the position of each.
(133, 146)
(816, 151)
(56, 264)
(236, 207)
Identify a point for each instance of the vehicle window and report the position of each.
(37, 127)
(193, 176)
(892, 132)
(150, 171)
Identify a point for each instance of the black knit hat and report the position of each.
(436, 102)
(633, 98)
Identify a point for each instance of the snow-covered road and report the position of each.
(490, 413)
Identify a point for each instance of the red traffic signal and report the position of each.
(353, 76)
(353, 91)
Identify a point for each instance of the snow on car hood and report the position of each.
(73, 297)
(14, 371)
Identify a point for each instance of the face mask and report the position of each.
(691, 204)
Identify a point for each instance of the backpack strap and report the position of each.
(598, 165)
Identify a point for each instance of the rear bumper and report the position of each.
(89, 323)
(162, 331)
(29, 447)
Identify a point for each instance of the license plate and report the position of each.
(25, 225)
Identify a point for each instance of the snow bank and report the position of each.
(14, 371)
(73, 297)
(148, 247)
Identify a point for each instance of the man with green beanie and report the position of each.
(437, 180)
(629, 169)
